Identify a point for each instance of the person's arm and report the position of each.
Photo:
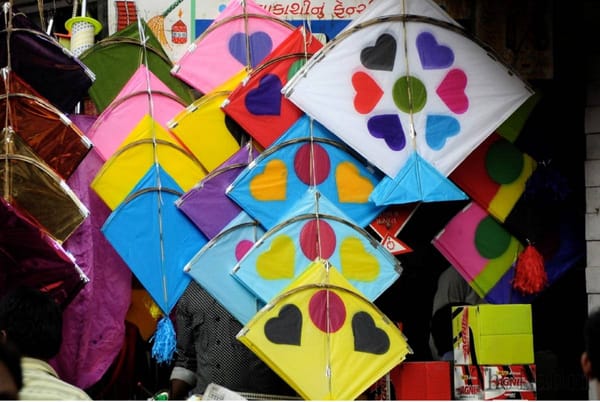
(183, 375)
(179, 389)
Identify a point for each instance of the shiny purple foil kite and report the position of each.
(42, 62)
(30, 257)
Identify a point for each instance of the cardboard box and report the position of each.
(493, 334)
(425, 381)
(468, 383)
(495, 382)
(509, 382)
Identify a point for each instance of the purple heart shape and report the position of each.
(265, 100)
(388, 127)
(433, 55)
(260, 46)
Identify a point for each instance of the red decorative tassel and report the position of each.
(530, 275)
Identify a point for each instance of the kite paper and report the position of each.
(494, 175)
(416, 92)
(45, 129)
(314, 228)
(211, 267)
(57, 75)
(206, 204)
(30, 257)
(306, 155)
(316, 332)
(146, 145)
(154, 238)
(117, 57)
(36, 191)
(479, 247)
(555, 230)
(90, 346)
(202, 127)
(143, 94)
(258, 104)
(241, 36)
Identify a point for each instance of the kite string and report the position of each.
(143, 39)
(7, 8)
(410, 95)
(247, 36)
(313, 183)
(328, 327)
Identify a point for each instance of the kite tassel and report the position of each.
(164, 341)
(530, 274)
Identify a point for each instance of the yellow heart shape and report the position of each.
(352, 187)
(357, 263)
(278, 261)
(270, 185)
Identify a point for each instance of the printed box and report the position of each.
(492, 334)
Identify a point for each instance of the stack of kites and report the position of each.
(254, 163)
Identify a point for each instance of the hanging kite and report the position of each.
(211, 266)
(241, 36)
(149, 143)
(116, 58)
(144, 93)
(306, 155)
(258, 104)
(203, 127)
(313, 228)
(89, 346)
(45, 129)
(154, 238)
(207, 205)
(36, 191)
(41, 61)
(479, 247)
(494, 175)
(417, 94)
(324, 338)
(30, 257)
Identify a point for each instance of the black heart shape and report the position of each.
(382, 55)
(286, 328)
(367, 337)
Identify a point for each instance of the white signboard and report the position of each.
(176, 23)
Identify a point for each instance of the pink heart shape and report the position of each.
(452, 91)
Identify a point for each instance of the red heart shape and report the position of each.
(368, 93)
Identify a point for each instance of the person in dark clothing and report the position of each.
(208, 351)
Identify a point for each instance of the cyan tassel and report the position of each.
(164, 341)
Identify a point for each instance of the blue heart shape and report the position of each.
(388, 127)
(260, 46)
(433, 55)
(438, 129)
(265, 100)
